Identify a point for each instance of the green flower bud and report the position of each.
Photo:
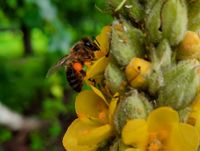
(115, 6)
(132, 106)
(134, 10)
(167, 20)
(174, 20)
(161, 57)
(194, 16)
(153, 22)
(129, 9)
(180, 85)
(155, 81)
(114, 77)
(149, 5)
(127, 42)
(184, 114)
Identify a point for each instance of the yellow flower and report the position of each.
(161, 132)
(103, 40)
(136, 71)
(190, 46)
(93, 125)
(194, 116)
(96, 74)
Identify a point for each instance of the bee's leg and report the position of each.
(83, 73)
(93, 81)
(108, 49)
(107, 54)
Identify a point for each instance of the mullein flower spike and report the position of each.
(143, 87)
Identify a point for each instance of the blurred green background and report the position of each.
(34, 34)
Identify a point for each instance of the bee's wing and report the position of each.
(57, 66)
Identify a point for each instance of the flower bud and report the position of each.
(174, 20)
(114, 78)
(149, 5)
(134, 10)
(137, 71)
(132, 106)
(167, 20)
(155, 82)
(153, 22)
(180, 85)
(130, 9)
(127, 42)
(161, 56)
(189, 48)
(194, 15)
(184, 114)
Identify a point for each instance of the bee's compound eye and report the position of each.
(88, 44)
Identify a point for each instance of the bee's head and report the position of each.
(90, 44)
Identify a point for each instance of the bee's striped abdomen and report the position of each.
(74, 79)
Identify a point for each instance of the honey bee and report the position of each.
(81, 52)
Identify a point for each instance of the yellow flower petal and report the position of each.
(184, 137)
(103, 39)
(196, 104)
(99, 93)
(95, 135)
(194, 116)
(135, 133)
(194, 119)
(96, 72)
(70, 139)
(132, 149)
(189, 47)
(97, 68)
(90, 105)
(162, 118)
(136, 71)
(138, 82)
(112, 107)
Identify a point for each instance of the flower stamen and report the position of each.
(157, 140)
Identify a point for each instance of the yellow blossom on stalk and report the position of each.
(136, 72)
(95, 73)
(194, 116)
(189, 48)
(93, 125)
(161, 132)
(96, 70)
(103, 40)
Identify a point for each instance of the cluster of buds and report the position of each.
(145, 94)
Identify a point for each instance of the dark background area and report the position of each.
(34, 34)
